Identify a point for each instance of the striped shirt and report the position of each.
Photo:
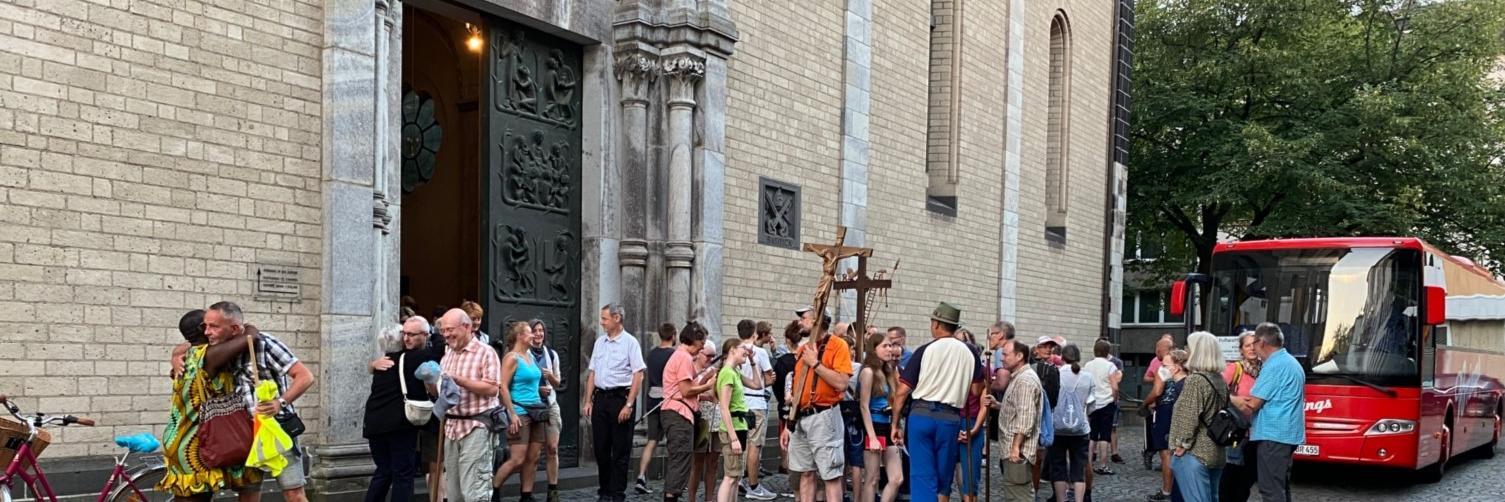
(273, 360)
(475, 361)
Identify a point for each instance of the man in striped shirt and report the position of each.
(468, 445)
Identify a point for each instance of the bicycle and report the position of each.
(124, 485)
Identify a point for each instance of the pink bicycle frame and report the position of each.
(37, 479)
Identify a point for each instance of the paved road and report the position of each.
(1469, 479)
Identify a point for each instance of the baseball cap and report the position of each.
(1044, 340)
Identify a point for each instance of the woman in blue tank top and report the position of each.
(875, 385)
(521, 378)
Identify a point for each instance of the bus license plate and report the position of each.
(1307, 449)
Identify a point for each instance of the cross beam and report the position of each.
(860, 282)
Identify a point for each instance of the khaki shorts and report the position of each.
(817, 444)
(528, 431)
(757, 435)
(733, 465)
(555, 422)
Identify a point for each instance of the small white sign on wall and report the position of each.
(1229, 346)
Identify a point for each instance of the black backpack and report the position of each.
(1227, 425)
(1050, 380)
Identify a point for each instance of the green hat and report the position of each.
(947, 314)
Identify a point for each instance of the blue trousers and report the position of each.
(970, 463)
(933, 452)
(1194, 481)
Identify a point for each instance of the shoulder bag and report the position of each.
(417, 412)
(226, 428)
(1227, 426)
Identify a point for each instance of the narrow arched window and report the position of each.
(1058, 127)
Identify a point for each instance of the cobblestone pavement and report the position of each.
(1468, 479)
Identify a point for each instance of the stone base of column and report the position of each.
(339, 473)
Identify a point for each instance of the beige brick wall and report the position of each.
(783, 121)
(151, 153)
(1060, 288)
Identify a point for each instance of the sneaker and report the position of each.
(1148, 466)
(1117, 459)
(760, 493)
(1103, 471)
(1159, 495)
(641, 486)
(553, 495)
(742, 487)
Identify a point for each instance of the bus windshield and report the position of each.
(1347, 314)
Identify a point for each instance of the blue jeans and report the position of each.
(1194, 480)
(933, 451)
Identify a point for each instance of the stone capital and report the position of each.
(684, 72)
(636, 71)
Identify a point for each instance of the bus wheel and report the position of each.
(1433, 473)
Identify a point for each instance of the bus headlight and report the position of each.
(1391, 426)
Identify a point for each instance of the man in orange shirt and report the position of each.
(814, 439)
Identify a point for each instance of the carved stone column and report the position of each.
(636, 72)
(361, 56)
(683, 72)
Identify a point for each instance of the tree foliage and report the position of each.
(1290, 118)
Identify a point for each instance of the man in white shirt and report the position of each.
(757, 374)
(611, 388)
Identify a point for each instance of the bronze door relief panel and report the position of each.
(532, 193)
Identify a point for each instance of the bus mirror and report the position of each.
(1437, 305)
(1178, 298)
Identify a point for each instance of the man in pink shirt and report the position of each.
(1152, 373)
(681, 388)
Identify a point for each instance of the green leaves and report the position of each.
(1286, 118)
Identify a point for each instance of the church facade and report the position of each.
(326, 163)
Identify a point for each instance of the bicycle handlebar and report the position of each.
(2, 398)
(86, 422)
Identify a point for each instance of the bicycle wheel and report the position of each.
(145, 479)
(4, 493)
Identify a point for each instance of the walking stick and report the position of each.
(987, 472)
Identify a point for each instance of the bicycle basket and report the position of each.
(12, 435)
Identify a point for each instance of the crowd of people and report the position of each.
(858, 416)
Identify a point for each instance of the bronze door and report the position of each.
(531, 241)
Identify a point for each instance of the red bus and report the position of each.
(1403, 344)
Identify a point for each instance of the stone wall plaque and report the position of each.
(778, 213)
(278, 283)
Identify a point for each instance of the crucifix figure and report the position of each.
(858, 280)
(830, 256)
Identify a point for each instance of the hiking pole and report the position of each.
(987, 471)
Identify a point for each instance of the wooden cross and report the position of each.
(859, 281)
(830, 257)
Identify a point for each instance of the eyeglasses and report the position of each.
(413, 333)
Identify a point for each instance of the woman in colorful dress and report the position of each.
(204, 377)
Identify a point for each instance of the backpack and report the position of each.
(1050, 381)
(1047, 429)
(1073, 411)
(1227, 425)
